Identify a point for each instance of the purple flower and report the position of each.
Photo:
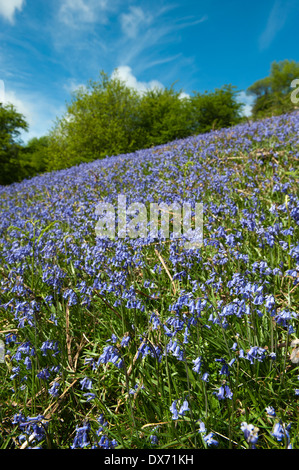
(153, 439)
(44, 374)
(270, 411)
(54, 389)
(250, 433)
(224, 392)
(125, 341)
(209, 439)
(86, 383)
(90, 396)
(281, 431)
(174, 410)
(205, 377)
(81, 439)
(202, 428)
(197, 364)
(184, 408)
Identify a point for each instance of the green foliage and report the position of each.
(11, 124)
(109, 118)
(215, 110)
(164, 116)
(272, 93)
(35, 155)
(99, 121)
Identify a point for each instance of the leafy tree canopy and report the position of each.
(11, 125)
(272, 93)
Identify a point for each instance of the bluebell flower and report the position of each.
(81, 439)
(270, 302)
(256, 353)
(250, 433)
(197, 364)
(224, 392)
(154, 439)
(89, 396)
(86, 383)
(44, 374)
(31, 425)
(205, 377)
(202, 427)
(270, 411)
(28, 363)
(125, 341)
(10, 338)
(209, 439)
(49, 345)
(281, 431)
(16, 371)
(184, 408)
(54, 389)
(174, 410)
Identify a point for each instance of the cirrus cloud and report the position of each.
(8, 8)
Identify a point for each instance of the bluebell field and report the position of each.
(141, 343)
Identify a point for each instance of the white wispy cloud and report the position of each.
(8, 8)
(190, 21)
(132, 22)
(78, 12)
(145, 31)
(276, 21)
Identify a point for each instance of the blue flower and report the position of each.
(270, 411)
(174, 410)
(250, 433)
(90, 396)
(86, 383)
(209, 439)
(153, 439)
(184, 408)
(81, 439)
(54, 389)
(125, 341)
(197, 364)
(44, 374)
(205, 377)
(202, 428)
(280, 431)
(224, 392)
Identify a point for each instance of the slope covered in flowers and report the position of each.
(142, 343)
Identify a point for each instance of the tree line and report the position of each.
(106, 118)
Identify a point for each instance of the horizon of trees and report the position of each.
(109, 118)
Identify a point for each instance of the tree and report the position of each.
(272, 93)
(101, 120)
(35, 155)
(11, 125)
(215, 110)
(164, 116)
(109, 118)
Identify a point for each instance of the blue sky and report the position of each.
(50, 47)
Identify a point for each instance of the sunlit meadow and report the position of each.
(141, 343)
